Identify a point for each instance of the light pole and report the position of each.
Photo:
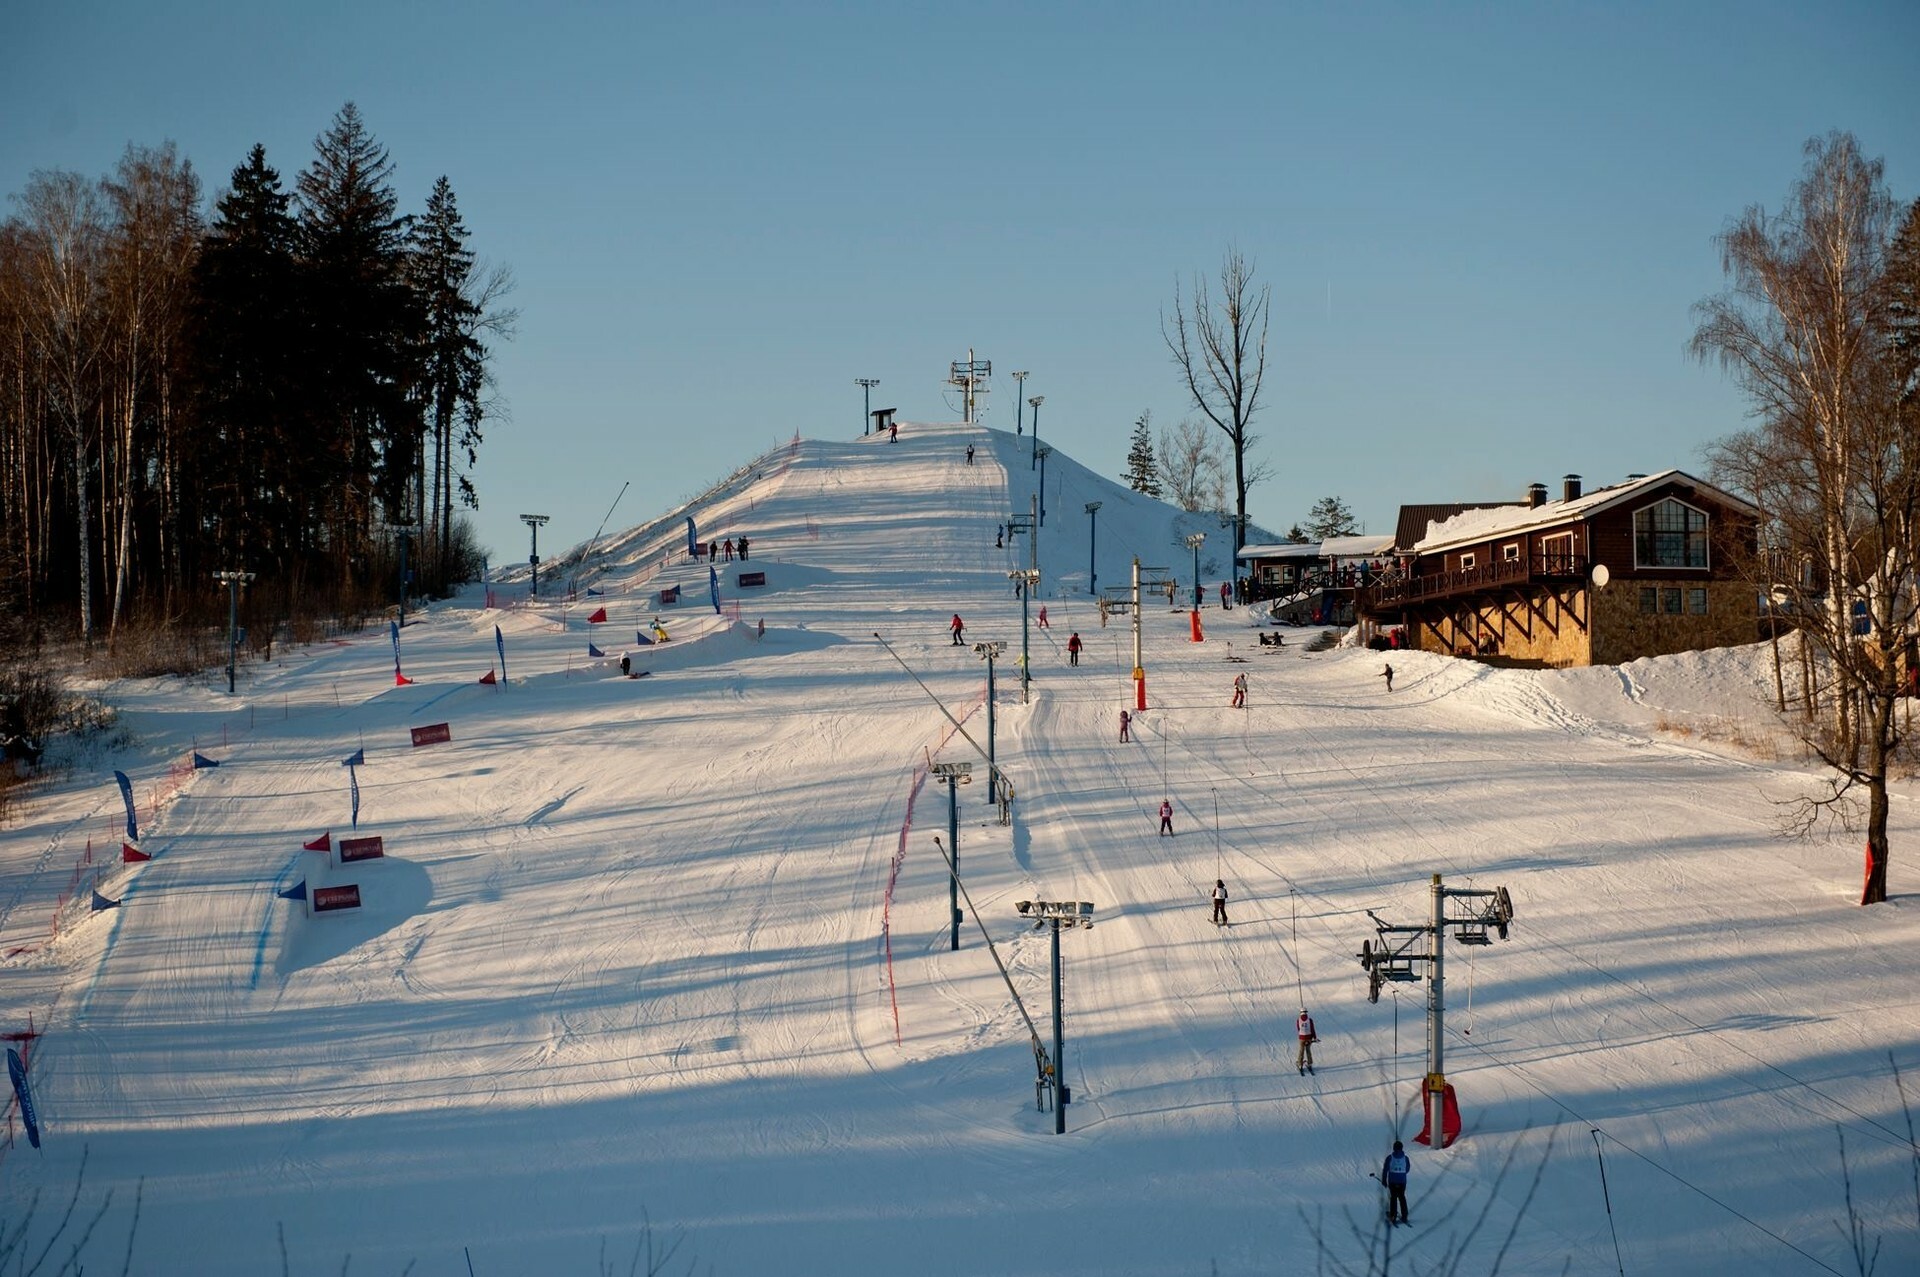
(867, 384)
(1093, 525)
(533, 522)
(1020, 388)
(1194, 542)
(990, 652)
(1058, 914)
(955, 774)
(1034, 403)
(233, 581)
(406, 531)
(1044, 452)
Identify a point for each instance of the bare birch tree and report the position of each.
(1219, 343)
(1191, 471)
(1803, 329)
(62, 232)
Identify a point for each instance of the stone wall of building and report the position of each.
(1622, 632)
(1483, 629)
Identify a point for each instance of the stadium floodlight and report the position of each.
(1034, 403)
(1019, 389)
(533, 522)
(233, 581)
(867, 384)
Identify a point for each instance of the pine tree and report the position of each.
(455, 371)
(1142, 470)
(252, 453)
(366, 330)
(1330, 517)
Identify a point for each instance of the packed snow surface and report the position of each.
(675, 949)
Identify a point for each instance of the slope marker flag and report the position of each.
(399, 679)
(358, 758)
(200, 761)
(713, 586)
(487, 679)
(693, 543)
(132, 855)
(126, 795)
(298, 891)
(501, 643)
(323, 843)
(18, 1072)
(594, 651)
(599, 616)
(101, 902)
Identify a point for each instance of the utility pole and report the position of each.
(867, 384)
(1386, 960)
(1044, 452)
(990, 652)
(966, 377)
(533, 522)
(1058, 914)
(1034, 403)
(233, 581)
(1139, 666)
(1093, 568)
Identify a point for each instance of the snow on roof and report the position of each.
(1355, 547)
(1282, 550)
(1471, 526)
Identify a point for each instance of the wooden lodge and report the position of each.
(1640, 568)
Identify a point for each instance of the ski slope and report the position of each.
(675, 948)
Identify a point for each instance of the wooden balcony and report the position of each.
(1390, 596)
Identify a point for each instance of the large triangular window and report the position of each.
(1670, 534)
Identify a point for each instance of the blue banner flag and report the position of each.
(593, 593)
(298, 891)
(101, 902)
(640, 637)
(693, 543)
(357, 758)
(501, 644)
(18, 1071)
(713, 586)
(200, 761)
(594, 651)
(126, 794)
(394, 626)
(353, 783)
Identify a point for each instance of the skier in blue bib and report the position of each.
(1393, 1173)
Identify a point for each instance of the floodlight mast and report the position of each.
(1058, 913)
(867, 384)
(1034, 403)
(1194, 542)
(990, 652)
(1019, 388)
(233, 581)
(1093, 562)
(533, 522)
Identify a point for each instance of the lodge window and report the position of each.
(1670, 599)
(1511, 552)
(1669, 534)
(1697, 600)
(1649, 599)
(1466, 561)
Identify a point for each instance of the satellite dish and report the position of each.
(1601, 576)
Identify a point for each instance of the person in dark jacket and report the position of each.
(743, 549)
(1126, 725)
(1393, 1173)
(1220, 902)
(1073, 648)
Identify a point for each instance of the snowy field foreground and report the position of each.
(675, 948)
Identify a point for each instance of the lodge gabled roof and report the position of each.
(1473, 525)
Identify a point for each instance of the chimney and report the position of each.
(1570, 487)
(1536, 495)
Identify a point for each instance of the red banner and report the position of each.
(132, 855)
(352, 849)
(323, 843)
(432, 734)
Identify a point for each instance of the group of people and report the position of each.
(723, 551)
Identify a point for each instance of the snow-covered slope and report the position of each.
(676, 947)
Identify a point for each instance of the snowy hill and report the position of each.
(676, 947)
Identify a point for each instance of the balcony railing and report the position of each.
(1525, 570)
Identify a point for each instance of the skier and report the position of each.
(1220, 902)
(1126, 724)
(893, 432)
(969, 454)
(1239, 691)
(726, 547)
(1042, 621)
(1387, 674)
(997, 541)
(743, 549)
(1393, 1173)
(626, 665)
(1303, 1029)
(1073, 648)
(957, 626)
(1226, 596)
(1166, 818)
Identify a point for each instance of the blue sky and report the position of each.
(1483, 226)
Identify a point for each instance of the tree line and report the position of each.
(274, 385)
